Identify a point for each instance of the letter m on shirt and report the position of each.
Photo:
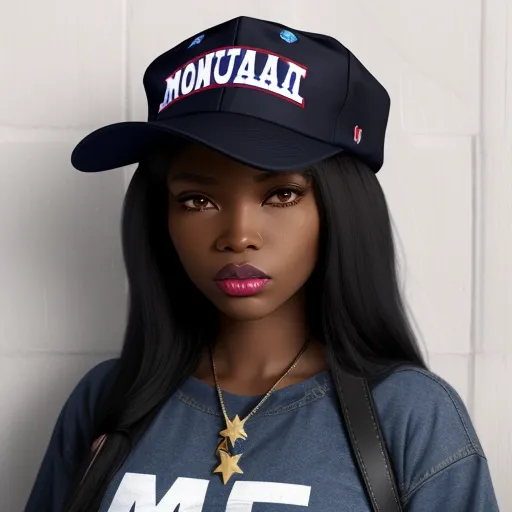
(140, 491)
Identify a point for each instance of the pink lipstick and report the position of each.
(241, 287)
(241, 280)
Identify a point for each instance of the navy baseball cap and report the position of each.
(270, 96)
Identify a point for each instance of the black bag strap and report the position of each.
(368, 445)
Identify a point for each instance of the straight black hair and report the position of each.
(353, 303)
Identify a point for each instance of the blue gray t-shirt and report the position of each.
(296, 457)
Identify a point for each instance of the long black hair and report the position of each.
(353, 303)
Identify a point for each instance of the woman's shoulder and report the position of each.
(91, 386)
(73, 432)
(417, 395)
(98, 374)
(426, 424)
(78, 413)
(71, 438)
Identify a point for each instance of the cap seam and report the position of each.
(223, 89)
(345, 98)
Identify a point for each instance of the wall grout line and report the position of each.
(125, 73)
(477, 226)
(124, 59)
(476, 268)
(46, 128)
(53, 352)
(125, 91)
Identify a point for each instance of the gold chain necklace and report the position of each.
(235, 429)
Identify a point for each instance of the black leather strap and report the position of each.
(368, 445)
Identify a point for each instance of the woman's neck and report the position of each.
(250, 356)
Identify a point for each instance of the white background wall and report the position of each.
(69, 66)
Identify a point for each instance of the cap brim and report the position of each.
(252, 141)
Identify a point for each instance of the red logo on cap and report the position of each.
(358, 133)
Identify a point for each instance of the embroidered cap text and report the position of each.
(237, 66)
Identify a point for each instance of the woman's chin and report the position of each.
(245, 308)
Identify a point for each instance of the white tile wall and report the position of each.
(493, 269)
(429, 190)
(62, 62)
(62, 276)
(70, 66)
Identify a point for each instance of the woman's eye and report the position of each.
(283, 196)
(197, 203)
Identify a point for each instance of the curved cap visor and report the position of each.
(252, 141)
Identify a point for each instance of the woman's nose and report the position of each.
(239, 242)
(240, 234)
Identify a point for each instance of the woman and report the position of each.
(259, 254)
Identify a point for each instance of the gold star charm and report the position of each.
(222, 446)
(228, 465)
(235, 430)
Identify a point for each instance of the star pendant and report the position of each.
(223, 446)
(228, 465)
(235, 430)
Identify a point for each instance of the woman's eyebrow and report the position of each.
(210, 180)
(264, 176)
(203, 179)
(195, 178)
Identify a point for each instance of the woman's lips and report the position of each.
(241, 280)
(242, 287)
(245, 271)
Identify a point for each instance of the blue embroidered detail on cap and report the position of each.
(288, 36)
(197, 40)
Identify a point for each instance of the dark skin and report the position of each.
(222, 211)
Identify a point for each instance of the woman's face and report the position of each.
(223, 213)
